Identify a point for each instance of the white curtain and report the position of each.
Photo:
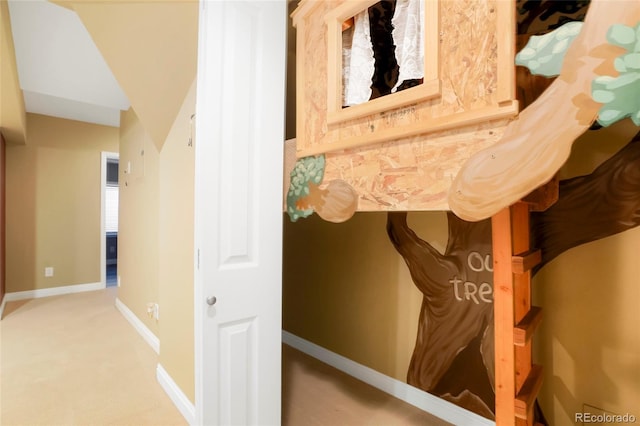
(357, 51)
(408, 36)
(357, 62)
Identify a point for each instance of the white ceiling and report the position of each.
(61, 71)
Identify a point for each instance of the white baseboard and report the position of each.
(401, 390)
(144, 331)
(52, 291)
(180, 400)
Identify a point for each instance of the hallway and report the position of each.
(75, 360)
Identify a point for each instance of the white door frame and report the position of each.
(104, 156)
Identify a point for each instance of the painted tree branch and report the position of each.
(538, 142)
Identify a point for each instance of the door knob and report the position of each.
(211, 300)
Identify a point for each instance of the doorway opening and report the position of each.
(109, 223)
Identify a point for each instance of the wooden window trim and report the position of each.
(430, 88)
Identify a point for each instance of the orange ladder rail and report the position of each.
(517, 380)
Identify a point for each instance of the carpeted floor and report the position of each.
(74, 360)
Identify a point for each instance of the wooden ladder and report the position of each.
(517, 380)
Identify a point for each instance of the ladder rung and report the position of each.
(523, 332)
(523, 262)
(528, 393)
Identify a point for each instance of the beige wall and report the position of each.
(176, 250)
(13, 119)
(345, 287)
(2, 221)
(138, 219)
(53, 203)
(589, 339)
(155, 239)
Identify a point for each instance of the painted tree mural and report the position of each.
(453, 356)
(591, 207)
(456, 315)
(597, 64)
(454, 353)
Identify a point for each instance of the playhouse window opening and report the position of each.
(382, 50)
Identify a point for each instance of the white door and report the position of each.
(239, 144)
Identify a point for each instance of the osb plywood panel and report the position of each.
(468, 72)
(468, 56)
(312, 74)
(412, 171)
(409, 174)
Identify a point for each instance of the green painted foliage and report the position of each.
(306, 170)
(620, 95)
(543, 55)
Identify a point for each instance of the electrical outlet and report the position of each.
(153, 310)
(48, 271)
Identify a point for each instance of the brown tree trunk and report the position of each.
(454, 312)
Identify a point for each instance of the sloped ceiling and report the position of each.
(151, 48)
(61, 71)
(88, 60)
